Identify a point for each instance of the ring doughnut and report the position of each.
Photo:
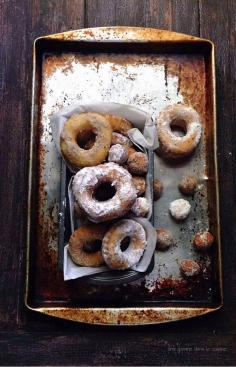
(112, 253)
(85, 245)
(81, 124)
(187, 118)
(89, 179)
(119, 124)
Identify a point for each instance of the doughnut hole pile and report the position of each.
(123, 152)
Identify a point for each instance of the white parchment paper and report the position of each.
(144, 136)
(73, 271)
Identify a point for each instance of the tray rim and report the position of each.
(127, 315)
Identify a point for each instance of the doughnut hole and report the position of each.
(104, 191)
(86, 140)
(178, 127)
(92, 246)
(124, 244)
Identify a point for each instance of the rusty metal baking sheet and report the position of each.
(89, 65)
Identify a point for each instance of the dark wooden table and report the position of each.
(31, 339)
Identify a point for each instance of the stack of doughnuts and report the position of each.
(109, 185)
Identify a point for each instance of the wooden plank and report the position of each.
(20, 23)
(100, 13)
(132, 347)
(54, 16)
(221, 30)
(185, 16)
(158, 14)
(173, 15)
(123, 12)
(14, 137)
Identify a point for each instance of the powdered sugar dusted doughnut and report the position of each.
(118, 153)
(120, 139)
(87, 181)
(112, 252)
(180, 209)
(187, 118)
(140, 207)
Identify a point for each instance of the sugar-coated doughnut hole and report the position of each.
(140, 207)
(140, 184)
(180, 209)
(118, 154)
(131, 150)
(164, 239)
(138, 163)
(188, 185)
(120, 139)
(189, 268)
(203, 241)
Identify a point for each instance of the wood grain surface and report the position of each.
(27, 338)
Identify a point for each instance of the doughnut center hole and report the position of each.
(105, 191)
(125, 243)
(86, 141)
(178, 127)
(92, 246)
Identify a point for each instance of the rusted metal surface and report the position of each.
(127, 316)
(131, 78)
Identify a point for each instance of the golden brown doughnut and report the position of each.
(80, 124)
(112, 253)
(119, 124)
(85, 245)
(186, 117)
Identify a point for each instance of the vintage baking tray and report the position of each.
(147, 68)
